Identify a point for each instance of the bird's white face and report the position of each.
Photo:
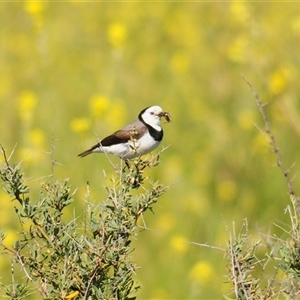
(152, 116)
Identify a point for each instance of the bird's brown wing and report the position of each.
(116, 138)
(122, 136)
(131, 131)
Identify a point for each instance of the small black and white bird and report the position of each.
(137, 138)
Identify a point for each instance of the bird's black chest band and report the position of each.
(156, 134)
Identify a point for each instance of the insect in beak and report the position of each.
(166, 115)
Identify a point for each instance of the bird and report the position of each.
(137, 138)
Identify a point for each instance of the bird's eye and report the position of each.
(151, 113)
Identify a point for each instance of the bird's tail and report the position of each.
(85, 153)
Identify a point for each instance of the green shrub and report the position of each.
(89, 259)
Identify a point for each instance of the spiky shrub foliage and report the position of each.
(282, 254)
(83, 260)
(242, 262)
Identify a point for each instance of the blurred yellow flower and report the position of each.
(37, 138)
(246, 119)
(240, 12)
(34, 7)
(202, 272)
(117, 115)
(278, 81)
(117, 34)
(80, 125)
(179, 243)
(237, 49)
(27, 104)
(179, 62)
(226, 190)
(11, 238)
(98, 105)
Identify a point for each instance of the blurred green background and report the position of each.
(74, 72)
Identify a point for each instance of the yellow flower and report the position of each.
(11, 238)
(34, 7)
(240, 12)
(98, 105)
(27, 104)
(237, 49)
(180, 62)
(278, 81)
(179, 243)
(80, 125)
(72, 295)
(226, 190)
(37, 138)
(117, 115)
(202, 272)
(117, 34)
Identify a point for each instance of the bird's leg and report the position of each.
(127, 163)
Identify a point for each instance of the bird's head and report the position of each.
(152, 114)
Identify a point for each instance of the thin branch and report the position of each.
(11, 251)
(90, 282)
(22, 264)
(207, 246)
(6, 160)
(273, 142)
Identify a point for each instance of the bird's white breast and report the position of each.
(144, 145)
(131, 149)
